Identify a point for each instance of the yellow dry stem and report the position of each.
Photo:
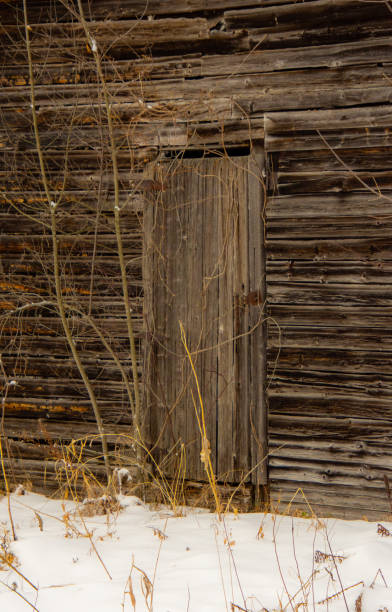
(205, 454)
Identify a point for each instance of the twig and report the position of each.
(379, 572)
(220, 566)
(353, 174)
(290, 599)
(162, 538)
(233, 561)
(20, 595)
(313, 570)
(337, 572)
(296, 561)
(388, 490)
(342, 592)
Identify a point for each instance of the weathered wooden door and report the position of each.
(204, 267)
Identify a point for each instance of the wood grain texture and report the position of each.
(328, 293)
(208, 261)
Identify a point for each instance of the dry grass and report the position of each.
(8, 558)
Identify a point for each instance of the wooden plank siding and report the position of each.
(329, 254)
(306, 84)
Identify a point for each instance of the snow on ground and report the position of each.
(193, 563)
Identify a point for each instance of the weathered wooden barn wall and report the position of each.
(311, 80)
(328, 279)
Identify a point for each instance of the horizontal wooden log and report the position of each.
(326, 500)
(304, 388)
(377, 385)
(278, 38)
(93, 287)
(130, 112)
(308, 402)
(315, 13)
(321, 509)
(100, 268)
(50, 450)
(318, 97)
(345, 272)
(43, 10)
(328, 492)
(353, 138)
(25, 267)
(72, 222)
(331, 337)
(327, 227)
(348, 449)
(70, 389)
(103, 307)
(140, 134)
(308, 471)
(342, 453)
(328, 294)
(47, 476)
(330, 359)
(69, 243)
(322, 315)
(313, 427)
(49, 367)
(119, 33)
(80, 180)
(333, 250)
(89, 202)
(87, 346)
(70, 411)
(331, 205)
(52, 326)
(280, 503)
(17, 75)
(326, 120)
(31, 450)
(91, 282)
(133, 160)
(341, 181)
(319, 161)
(51, 431)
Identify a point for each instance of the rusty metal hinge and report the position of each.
(253, 298)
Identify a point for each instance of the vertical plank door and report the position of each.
(204, 267)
